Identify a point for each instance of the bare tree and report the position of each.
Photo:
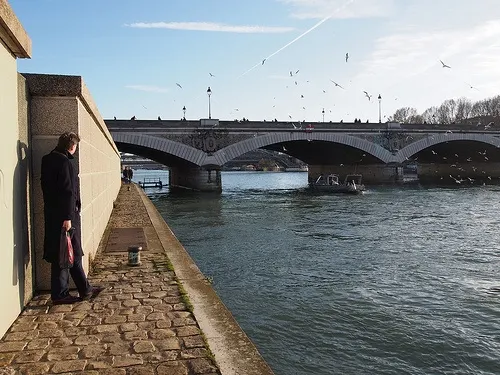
(480, 108)
(429, 115)
(447, 111)
(405, 115)
(450, 111)
(463, 110)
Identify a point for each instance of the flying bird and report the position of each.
(263, 61)
(346, 56)
(291, 74)
(444, 65)
(336, 84)
(368, 95)
(297, 72)
(472, 87)
(179, 85)
(211, 75)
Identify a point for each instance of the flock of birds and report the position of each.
(292, 74)
(456, 164)
(457, 179)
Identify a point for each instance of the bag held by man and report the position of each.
(66, 255)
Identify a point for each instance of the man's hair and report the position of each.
(67, 140)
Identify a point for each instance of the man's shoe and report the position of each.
(65, 300)
(94, 292)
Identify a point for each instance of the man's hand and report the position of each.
(67, 225)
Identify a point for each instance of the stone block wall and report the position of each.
(16, 286)
(59, 104)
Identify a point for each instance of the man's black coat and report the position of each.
(61, 196)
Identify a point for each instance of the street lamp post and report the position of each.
(379, 108)
(209, 92)
(184, 110)
(323, 113)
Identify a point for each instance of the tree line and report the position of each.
(451, 111)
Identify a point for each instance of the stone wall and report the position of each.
(16, 286)
(195, 178)
(59, 104)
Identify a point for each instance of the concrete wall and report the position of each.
(15, 267)
(59, 104)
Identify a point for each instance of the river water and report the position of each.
(399, 280)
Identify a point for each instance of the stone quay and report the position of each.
(161, 317)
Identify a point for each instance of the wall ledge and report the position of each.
(12, 33)
(53, 85)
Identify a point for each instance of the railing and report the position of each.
(151, 182)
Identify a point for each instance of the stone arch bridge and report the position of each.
(195, 151)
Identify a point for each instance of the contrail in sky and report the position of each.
(299, 37)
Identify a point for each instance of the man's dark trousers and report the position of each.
(60, 279)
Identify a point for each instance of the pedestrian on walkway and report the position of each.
(61, 196)
(130, 174)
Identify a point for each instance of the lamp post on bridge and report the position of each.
(209, 92)
(184, 110)
(323, 113)
(379, 108)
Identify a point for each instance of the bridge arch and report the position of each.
(422, 144)
(230, 152)
(180, 150)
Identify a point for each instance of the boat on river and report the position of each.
(330, 183)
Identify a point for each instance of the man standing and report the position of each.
(130, 174)
(61, 196)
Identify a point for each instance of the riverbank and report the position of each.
(161, 317)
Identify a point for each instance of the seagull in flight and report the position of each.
(444, 65)
(211, 75)
(179, 85)
(336, 84)
(263, 61)
(346, 56)
(472, 87)
(368, 95)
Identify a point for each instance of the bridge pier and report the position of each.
(195, 178)
(372, 173)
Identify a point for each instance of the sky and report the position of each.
(267, 59)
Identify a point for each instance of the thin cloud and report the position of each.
(147, 88)
(413, 53)
(210, 26)
(317, 9)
